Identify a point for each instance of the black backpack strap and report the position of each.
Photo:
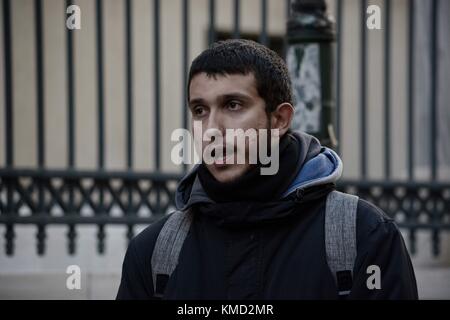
(167, 249)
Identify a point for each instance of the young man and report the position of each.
(255, 236)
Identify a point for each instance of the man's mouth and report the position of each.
(224, 160)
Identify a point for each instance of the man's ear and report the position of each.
(281, 118)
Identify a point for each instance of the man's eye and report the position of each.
(198, 111)
(234, 105)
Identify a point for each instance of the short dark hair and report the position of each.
(239, 56)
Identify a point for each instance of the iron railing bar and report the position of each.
(185, 66)
(77, 219)
(9, 214)
(55, 173)
(129, 80)
(100, 85)
(392, 184)
(8, 62)
(170, 195)
(236, 16)
(434, 124)
(263, 38)
(55, 194)
(387, 90)
(285, 43)
(2, 187)
(339, 15)
(116, 196)
(434, 132)
(363, 95)
(104, 220)
(143, 197)
(25, 197)
(211, 27)
(86, 196)
(411, 91)
(288, 9)
(157, 115)
(39, 35)
(70, 95)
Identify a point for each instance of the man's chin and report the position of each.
(227, 173)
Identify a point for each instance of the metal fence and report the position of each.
(415, 205)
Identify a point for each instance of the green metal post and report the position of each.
(310, 59)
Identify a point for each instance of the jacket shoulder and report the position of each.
(369, 217)
(146, 239)
(374, 228)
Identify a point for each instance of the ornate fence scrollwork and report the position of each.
(76, 198)
(413, 205)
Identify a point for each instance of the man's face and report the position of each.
(227, 102)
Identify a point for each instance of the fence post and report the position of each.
(310, 59)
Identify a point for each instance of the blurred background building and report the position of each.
(86, 118)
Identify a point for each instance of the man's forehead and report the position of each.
(203, 84)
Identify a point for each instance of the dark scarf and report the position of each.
(253, 186)
(255, 198)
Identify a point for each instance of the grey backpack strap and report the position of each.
(167, 249)
(340, 238)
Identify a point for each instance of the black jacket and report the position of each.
(267, 255)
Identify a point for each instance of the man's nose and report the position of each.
(215, 121)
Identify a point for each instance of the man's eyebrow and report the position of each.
(196, 101)
(235, 95)
(224, 97)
